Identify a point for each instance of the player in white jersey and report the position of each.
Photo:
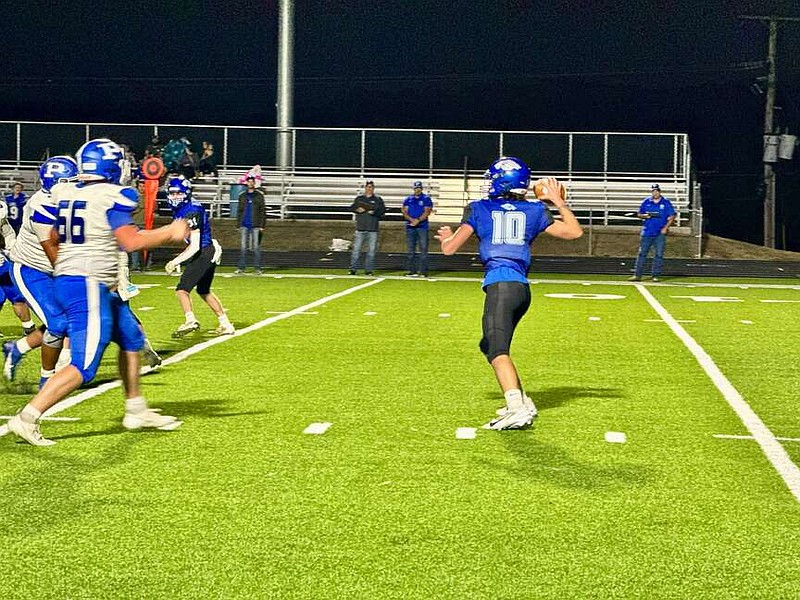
(94, 219)
(32, 269)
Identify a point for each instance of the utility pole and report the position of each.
(769, 121)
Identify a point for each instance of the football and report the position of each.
(540, 190)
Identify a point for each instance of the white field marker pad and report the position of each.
(317, 428)
(466, 433)
(444, 315)
(594, 318)
(370, 313)
(146, 308)
(745, 322)
(616, 437)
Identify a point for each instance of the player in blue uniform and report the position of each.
(93, 221)
(15, 201)
(8, 291)
(505, 224)
(201, 257)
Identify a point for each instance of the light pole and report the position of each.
(283, 145)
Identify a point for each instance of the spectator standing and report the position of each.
(208, 160)
(189, 161)
(15, 202)
(416, 210)
(154, 148)
(657, 214)
(252, 215)
(369, 210)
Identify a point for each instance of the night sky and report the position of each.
(676, 66)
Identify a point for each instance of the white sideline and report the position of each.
(773, 450)
(91, 393)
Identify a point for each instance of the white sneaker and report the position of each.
(515, 419)
(225, 330)
(185, 329)
(527, 402)
(150, 418)
(28, 432)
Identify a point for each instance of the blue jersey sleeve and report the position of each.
(118, 218)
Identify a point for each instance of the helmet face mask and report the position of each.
(506, 176)
(100, 160)
(57, 169)
(179, 190)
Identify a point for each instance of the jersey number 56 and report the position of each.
(71, 221)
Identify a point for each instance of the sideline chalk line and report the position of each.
(773, 450)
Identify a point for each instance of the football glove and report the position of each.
(170, 267)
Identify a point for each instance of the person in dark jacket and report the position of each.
(369, 210)
(252, 215)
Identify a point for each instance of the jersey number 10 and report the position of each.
(71, 221)
(508, 228)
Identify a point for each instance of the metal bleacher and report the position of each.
(598, 201)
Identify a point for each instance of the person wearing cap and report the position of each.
(657, 214)
(252, 215)
(369, 209)
(416, 210)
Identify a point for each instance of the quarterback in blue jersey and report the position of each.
(201, 256)
(505, 224)
(93, 220)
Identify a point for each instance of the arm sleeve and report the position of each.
(467, 217)
(191, 249)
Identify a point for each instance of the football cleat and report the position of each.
(526, 401)
(225, 330)
(12, 358)
(512, 419)
(28, 432)
(151, 357)
(150, 418)
(186, 329)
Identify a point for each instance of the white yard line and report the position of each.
(724, 436)
(91, 393)
(773, 450)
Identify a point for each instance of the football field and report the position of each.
(663, 463)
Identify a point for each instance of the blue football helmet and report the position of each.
(179, 190)
(506, 175)
(100, 160)
(56, 170)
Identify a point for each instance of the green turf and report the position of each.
(238, 503)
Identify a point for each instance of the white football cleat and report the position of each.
(526, 402)
(151, 419)
(186, 329)
(225, 330)
(513, 419)
(28, 432)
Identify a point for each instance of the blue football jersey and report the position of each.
(15, 205)
(196, 218)
(505, 228)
